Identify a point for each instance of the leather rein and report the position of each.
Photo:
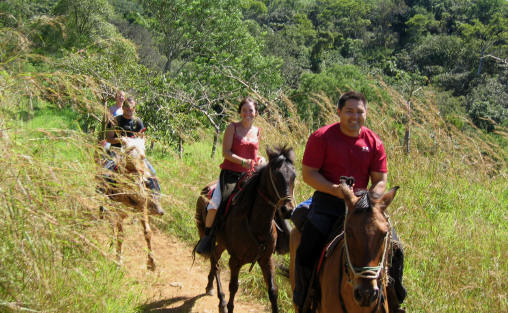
(281, 200)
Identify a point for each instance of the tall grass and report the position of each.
(450, 211)
(48, 260)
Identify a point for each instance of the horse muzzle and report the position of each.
(365, 295)
(155, 208)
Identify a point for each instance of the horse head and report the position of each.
(133, 161)
(281, 178)
(133, 149)
(367, 240)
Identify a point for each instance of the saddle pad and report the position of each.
(211, 189)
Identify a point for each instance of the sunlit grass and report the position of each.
(450, 211)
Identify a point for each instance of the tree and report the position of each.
(483, 38)
(212, 57)
(86, 20)
(487, 104)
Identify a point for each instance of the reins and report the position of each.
(280, 202)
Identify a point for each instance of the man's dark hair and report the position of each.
(247, 100)
(130, 101)
(351, 95)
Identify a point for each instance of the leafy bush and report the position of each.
(487, 104)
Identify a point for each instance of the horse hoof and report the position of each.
(210, 292)
(150, 265)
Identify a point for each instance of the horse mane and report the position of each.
(248, 193)
(363, 204)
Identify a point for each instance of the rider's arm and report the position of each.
(316, 180)
(141, 129)
(227, 144)
(111, 137)
(378, 183)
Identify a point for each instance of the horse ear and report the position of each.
(388, 197)
(270, 153)
(291, 155)
(349, 195)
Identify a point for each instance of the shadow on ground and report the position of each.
(161, 305)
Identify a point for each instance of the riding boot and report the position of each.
(303, 275)
(206, 243)
(396, 293)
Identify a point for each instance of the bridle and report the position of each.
(281, 200)
(367, 272)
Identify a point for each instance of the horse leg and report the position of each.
(269, 275)
(215, 273)
(234, 268)
(214, 267)
(147, 231)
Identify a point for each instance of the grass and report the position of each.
(48, 261)
(450, 211)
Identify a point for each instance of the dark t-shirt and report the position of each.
(125, 127)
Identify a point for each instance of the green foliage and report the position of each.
(488, 104)
(14, 12)
(332, 82)
(86, 20)
(420, 25)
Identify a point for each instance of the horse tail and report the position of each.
(200, 214)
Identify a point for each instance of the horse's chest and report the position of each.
(248, 247)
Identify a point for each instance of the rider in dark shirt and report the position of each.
(125, 125)
(128, 125)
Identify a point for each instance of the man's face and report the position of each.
(352, 117)
(128, 110)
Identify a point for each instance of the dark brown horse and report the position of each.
(130, 185)
(354, 275)
(249, 232)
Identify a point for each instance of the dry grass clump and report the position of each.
(47, 206)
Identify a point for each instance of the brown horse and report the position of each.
(249, 232)
(354, 275)
(130, 185)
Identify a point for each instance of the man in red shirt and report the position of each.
(346, 148)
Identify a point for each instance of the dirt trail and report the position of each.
(175, 286)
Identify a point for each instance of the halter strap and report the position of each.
(367, 272)
(280, 200)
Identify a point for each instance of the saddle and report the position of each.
(281, 225)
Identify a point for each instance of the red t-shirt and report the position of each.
(243, 148)
(336, 154)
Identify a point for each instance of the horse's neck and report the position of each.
(262, 213)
